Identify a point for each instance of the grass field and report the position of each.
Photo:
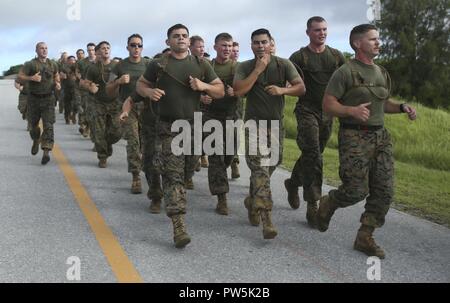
(422, 154)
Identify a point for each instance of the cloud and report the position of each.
(24, 23)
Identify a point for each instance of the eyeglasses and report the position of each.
(135, 45)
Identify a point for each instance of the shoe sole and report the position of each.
(222, 213)
(370, 254)
(154, 211)
(270, 235)
(45, 160)
(183, 242)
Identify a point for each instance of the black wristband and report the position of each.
(402, 107)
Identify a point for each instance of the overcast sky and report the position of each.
(23, 23)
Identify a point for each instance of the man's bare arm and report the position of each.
(242, 87)
(392, 107)
(146, 90)
(214, 89)
(295, 89)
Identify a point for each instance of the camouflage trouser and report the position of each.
(42, 108)
(60, 100)
(69, 102)
(82, 113)
(218, 164)
(260, 175)
(239, 116)
(23, 103)
(107, 127)
(76, 104)
(366, 168)
(149, 144)
(314, 131)
(91, 114)
(131, 133)
(174, 170)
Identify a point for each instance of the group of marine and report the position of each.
(138, 99)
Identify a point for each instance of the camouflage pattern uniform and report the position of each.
(106, 127)
(260, 175)
(107, 109)
(149, 121)
(180, 102)
(261, 106)
(314, 127)
(365, 152)
(131, 127)
(69, 98)
(23, 100)
(221, 110)
(41, 101)
(366, 166)
(174, 170)
(85, 116)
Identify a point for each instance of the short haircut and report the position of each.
(359, 31)
(71, 57)
(135, 36)
(39, 44)
(117, 58)
(235, 43)
(90, 44)
(317, 19)
(175, 27)
(80, 50)
(195, 39)
(261, 31)
(100, 45)
(223, 36)
(166, 50)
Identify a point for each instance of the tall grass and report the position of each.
(424, 142)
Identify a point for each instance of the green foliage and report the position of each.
(416, 49)
(348, 55)
(12, 70)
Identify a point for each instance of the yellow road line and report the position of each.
(118, 260)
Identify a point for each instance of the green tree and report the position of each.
(416, 49)
(13, 70)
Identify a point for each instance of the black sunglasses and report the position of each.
(135, 45)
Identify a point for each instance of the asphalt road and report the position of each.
(42, 225)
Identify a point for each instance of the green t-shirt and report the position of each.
(83, 67)
(65, 68)
(47, 70)
(260, 105)
(318, 69)
(180, 101)
(99, 74)
(225, 107)
(135, 70)
(357, 83)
